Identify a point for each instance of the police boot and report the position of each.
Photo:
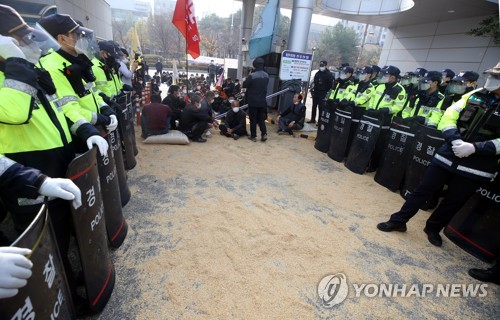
(391, 226)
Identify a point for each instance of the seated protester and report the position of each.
(234, 125)
(218, 104)
(155, 89)
(175, 103)
(157, 77)
(206, 106)
(293, 117)
(228, 87)
(194, 121)
(155, 118)
(237, 86)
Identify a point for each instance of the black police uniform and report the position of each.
(323, 81)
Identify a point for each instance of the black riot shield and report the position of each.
(394, 161)
(115, 145)
(357, 113)
(476, 227)
(126, 134)
(324, 127)
(116, 225)
(363, 143)
(90, 231)
(380, 144)
(427, 141)
(341, 127)
(47, 295)
(131, 117)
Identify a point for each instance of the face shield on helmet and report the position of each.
(424, 85)
(37, 43)
(405, 81)
(86, 44)
(492, 83)
(444, 75)
(456, 87)
(414, 79)
(383, 78)
(362, 76)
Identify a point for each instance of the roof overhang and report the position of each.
(423, 11)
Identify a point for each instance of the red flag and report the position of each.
(185, 21)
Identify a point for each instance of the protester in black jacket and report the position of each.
(256, 84)
(175, 103)
(234, 125)
(194, 120)
(293, 117)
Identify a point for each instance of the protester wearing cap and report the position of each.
(323, 81)
(361, 92)
(427, 107)
(256, 85)
(175, 103)
(344, 87)
(447, 75)
(468, 158)
(463, 83)
(71, 71)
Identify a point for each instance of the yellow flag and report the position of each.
(136, 45)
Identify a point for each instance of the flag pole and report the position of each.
(187, 63)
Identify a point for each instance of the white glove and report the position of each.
(113, 124)
(9, 48)
(457, 142)
(15, 269)
(62, 188)
(100, 142)
(463, 149)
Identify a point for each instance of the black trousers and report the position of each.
(241, 131)
(460, 189)
(317, 104)
(257, 116)
(197, 130)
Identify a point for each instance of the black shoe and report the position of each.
(391, 226)
(235, 136)
(485, 275)
(279, 130)
(264, 138)
(201, 140)
(311, 121)
(254, 139)
(434, 238)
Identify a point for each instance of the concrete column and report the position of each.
(245, 33)
(300, 24)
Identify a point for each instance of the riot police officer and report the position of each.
(323, 81)
(468, 158)
(447, 76)
(361, 91)
(427, 109)
(344, 86)
(461, 84)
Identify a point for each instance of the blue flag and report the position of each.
(262, 38)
